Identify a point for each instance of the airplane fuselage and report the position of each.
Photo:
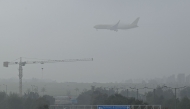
(117, 26)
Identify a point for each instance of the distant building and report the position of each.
(171, 79)
(65, 100)
(181, 79)
(129, 81)
(188, 79)
(153, 82)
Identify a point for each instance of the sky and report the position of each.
(63, 29)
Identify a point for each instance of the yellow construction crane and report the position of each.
(23, 63)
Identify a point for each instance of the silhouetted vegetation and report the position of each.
(161, 96)
(101, 96)
(30, 100)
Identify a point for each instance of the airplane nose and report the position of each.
(95, 26)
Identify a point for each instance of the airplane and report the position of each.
(118, 26)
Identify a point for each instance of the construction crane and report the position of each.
(23, 63)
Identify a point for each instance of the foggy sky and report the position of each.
(63, 29)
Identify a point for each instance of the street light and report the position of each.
(153, 92)
(137, 91)
(127, 93)
(125, 90)
(32, 87)
(175, 93)
(107, 89)
(36, 89)
(6, 88)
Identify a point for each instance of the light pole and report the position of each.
(107, 89)
(43, 89)
(153, 92)
(137, 91)
(36, 89)
(125, 89)
(32, 88)
(175, 93)
(127, 93)
(6, 88)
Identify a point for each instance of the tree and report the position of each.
(161, 96)
(3, 102)
(14, 101)
(68, 93)
(36, 89)
(184, 103)
(99, 96)
(41, 103)
(76, 89)
(50, 99)
(2, 96)
(43, 90)
(28, 90)
(185, 92)
(129, 93)
(28, 103)
(84, 98)
(32, 95)
(29, 100)
(118, 99)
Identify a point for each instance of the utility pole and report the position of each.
(175, 99)
(126, 89)
(175, 93)
(32, 87)
(6, 88)
(154, 91)
(137, 94)
(154, 95)
(137, 91)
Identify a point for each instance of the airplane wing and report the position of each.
(114, 27)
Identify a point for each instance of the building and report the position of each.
(188, 79)
(181, 79)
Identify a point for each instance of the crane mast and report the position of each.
(21, 63)
(20, 77)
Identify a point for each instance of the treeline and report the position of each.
(99, 96)
(158, 96)
(169, 99)
(30, 100)
(103, 96)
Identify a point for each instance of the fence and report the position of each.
(106, 106)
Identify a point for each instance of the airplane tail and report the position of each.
(136, 21)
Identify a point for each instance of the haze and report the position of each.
(63, 29)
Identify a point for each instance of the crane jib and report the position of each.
(6, 63)
(21, 63)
